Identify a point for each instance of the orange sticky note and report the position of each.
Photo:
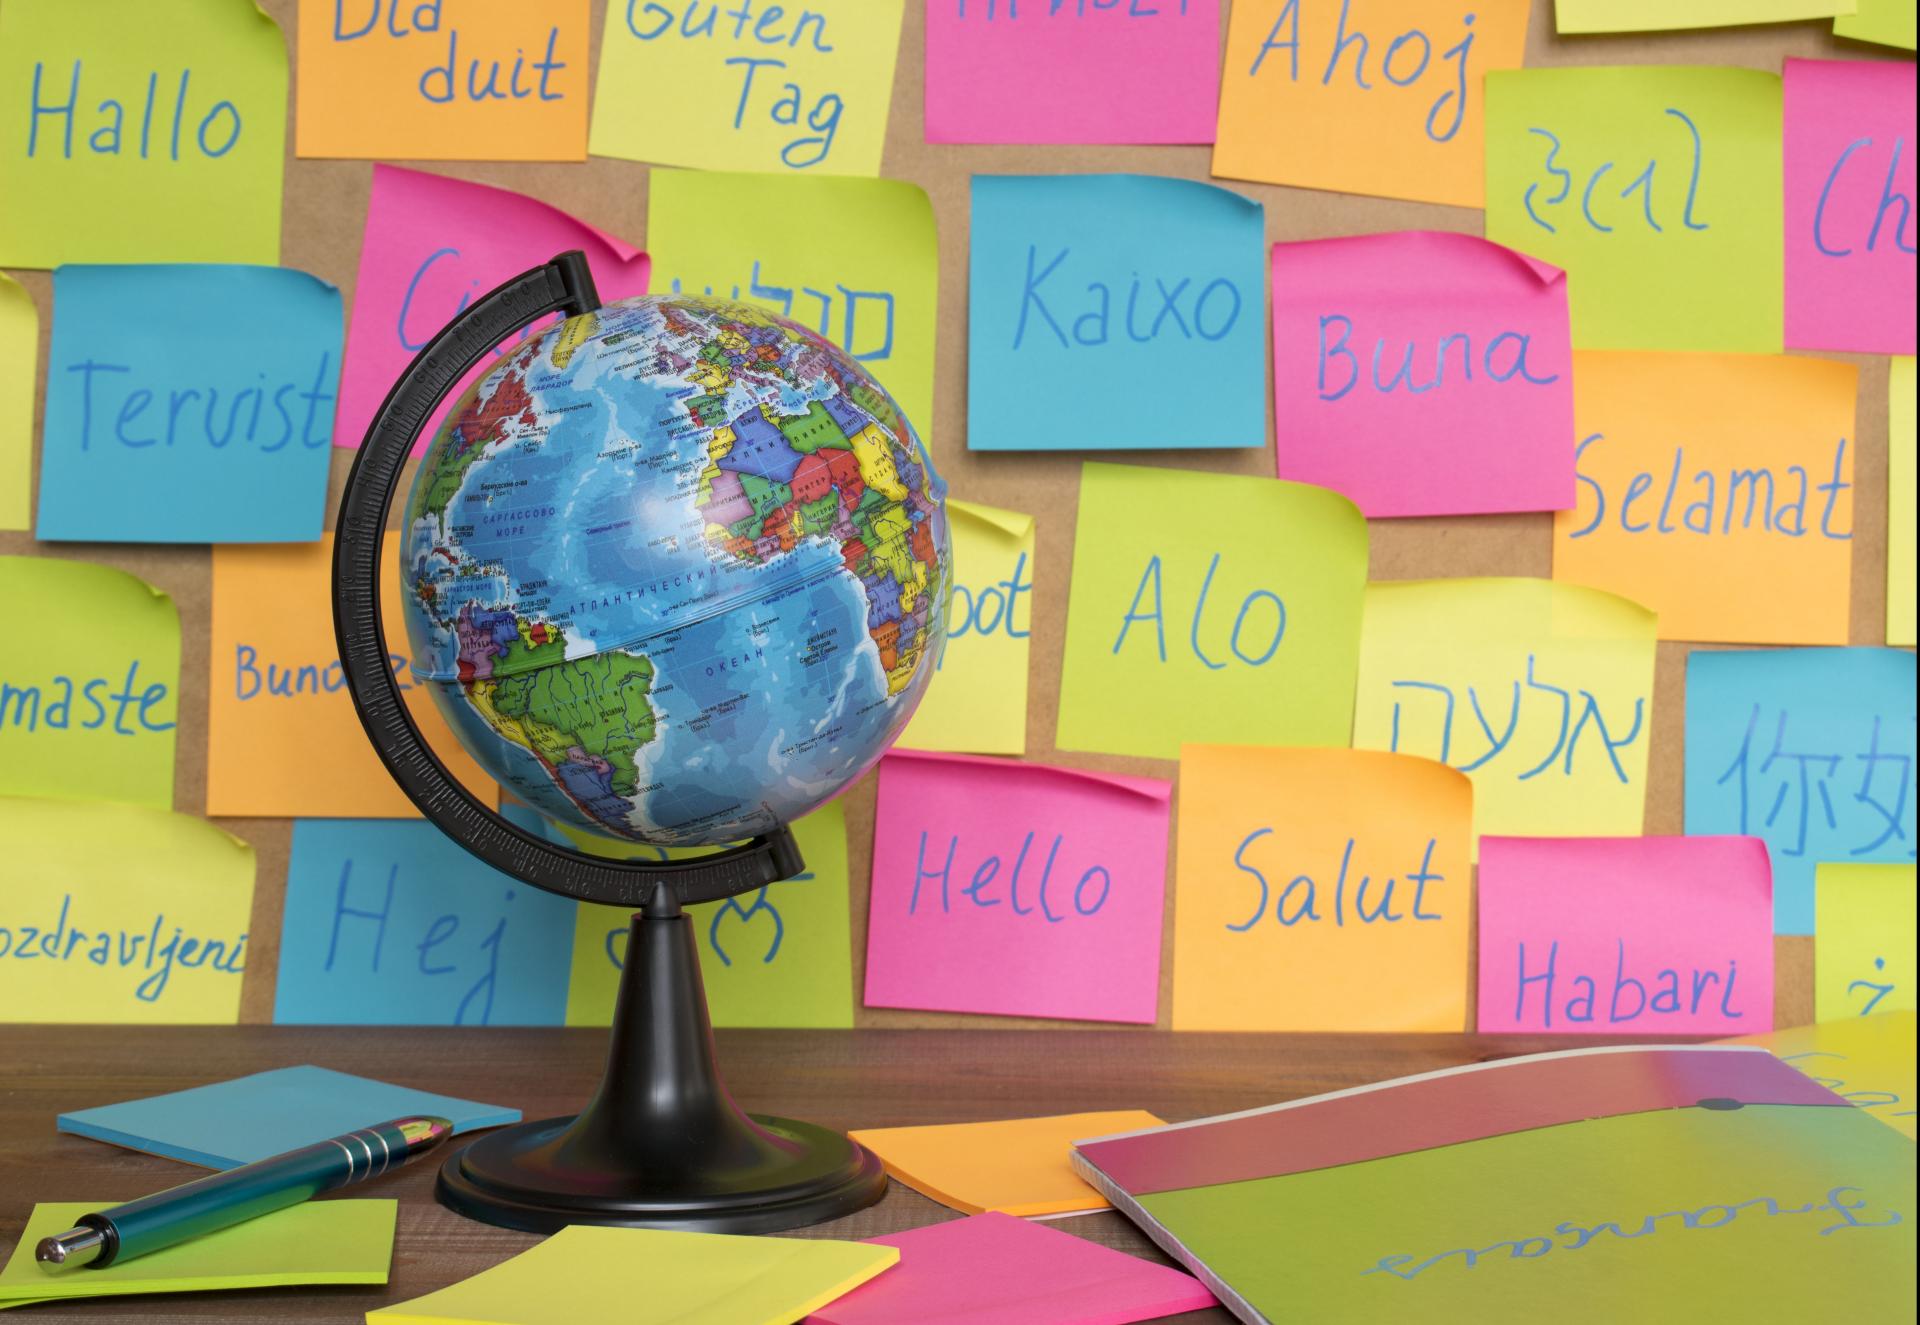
(1364, 96)
(1018, 1166)
(1716, 489)
(282, 737)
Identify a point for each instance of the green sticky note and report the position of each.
(1209, 608)
(1887, 22)
(315, 1242)
(1863, 939)
(19, 354)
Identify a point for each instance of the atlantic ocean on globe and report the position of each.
(676, 571)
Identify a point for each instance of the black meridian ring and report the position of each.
(564, 285)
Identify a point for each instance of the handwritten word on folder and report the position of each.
(1572, 16)
(1321, 890)
(19, 364)
(141, 131)
(1717, 489)
(1072, 72)
(1644, 936)
(189, 404)
(1196, 599)
(1900, 500)
(1422, 373)
(1863, 940)
(1866, 1061)
(1018, 889)
(1143, 332)
(1657, 189)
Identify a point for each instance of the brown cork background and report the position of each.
(325, 207)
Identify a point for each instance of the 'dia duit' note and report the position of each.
(1717, 489)
(1016, 889)
(1863, 939)
(119, 913)
(1196, 599)
(1887, 22)
(189, 404)
(1900, 500)
(89, 683)
(1657, 189)
(1615, 936)
(1578, 16)
(1865, 1060)
(1542, 693)
(1379, 97)
(1422, 373)
(19, 362)
(142, 131)
(1321, 890)
(757, 86)
(1072, 71)
(442, 80)
(1809, 749)
(1139, 333)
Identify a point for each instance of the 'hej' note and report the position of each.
(1863, 939)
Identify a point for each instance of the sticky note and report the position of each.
(1574, 16)
(1542, 693)
(1625, 936)
(1867, 1061)
(1321, 890)
(1717, 489)
(19, 362)
(189, 404)
(1900, 500)
(1363, 96)
(431, 246)
(1142, 332)
(1016, 1166)
(1810, 749)
(858, 260)
(457, 80)
(1014, 888)
(1887, 22)
(89, 695)
(977, 701)
(121, 914)
(1197, 598)
(225, 1124)
(801, 89)
(1072, 73)
(587, 1273)
(1422, 373)
(1862, 939)
(143, 131)
(1656, 188)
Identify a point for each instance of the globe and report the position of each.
(675, 571)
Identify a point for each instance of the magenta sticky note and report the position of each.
(1072, 71)
(1422, 373)
(432, 246)
(1626, 935)
(996, 1269)
(1021, 889)
(1847, 158)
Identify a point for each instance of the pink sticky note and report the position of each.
(996, 1269)
(1847, 155)
(1014, 888)
(1626, 935)
(432, 246)
(1082, 71)
(1422, 373)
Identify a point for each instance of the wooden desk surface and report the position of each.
(865, 1078)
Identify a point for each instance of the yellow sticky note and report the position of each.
(1900, 485)
(1321, 890)
(1017, 1166)
(1209, 608)
(1542, 693)
(89, 683)
(1865, 1060)
(116, 913)
(142, 131)
(804, 88)
(1863, 939)
(1717, 489)
(1391, 89)
(1572, 16)
(1888, 22)
(977, 703)
(282, 737)
(1657, 190)
(19, 356)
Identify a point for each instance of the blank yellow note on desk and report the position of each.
(1018, 1166)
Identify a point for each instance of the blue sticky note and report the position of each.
(230, 1123)
(1114, 312)
(388, 923)
(189, 404)
(1809, 749)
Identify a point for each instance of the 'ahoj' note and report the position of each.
(1863, 939)
(19, 362)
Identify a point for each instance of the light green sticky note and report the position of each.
(1656, 188)
(141, 131)
(1888, 22)
(1863, 939)
(1900, 500)
(1210, 608)
(19, 353)
(1665, 15)
(315, 1242)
